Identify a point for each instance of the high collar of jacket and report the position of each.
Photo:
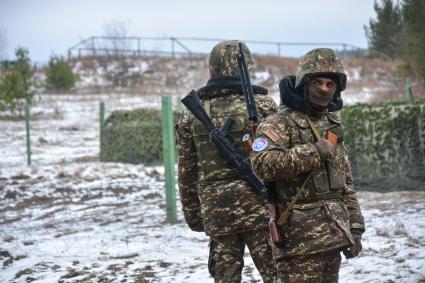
(294, 98)
(221, 86)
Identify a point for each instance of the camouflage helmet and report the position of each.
(223, 59)
(320, 61)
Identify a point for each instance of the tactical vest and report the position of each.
(212, 166)
(328, 181)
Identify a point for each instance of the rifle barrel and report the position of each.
(247, 86)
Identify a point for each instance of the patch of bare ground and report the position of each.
(22, 272)
(85, 159)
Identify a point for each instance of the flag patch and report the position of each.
(271, 135)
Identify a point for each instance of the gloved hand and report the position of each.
(355, 249)
(193, 219)
(198, 227)
(326, 149)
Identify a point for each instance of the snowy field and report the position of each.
(70, 218)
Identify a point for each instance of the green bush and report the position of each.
(59, 75)
(133, 136)
(16, 83)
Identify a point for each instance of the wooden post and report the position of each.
(168, 149)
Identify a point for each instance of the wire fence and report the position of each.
(189, 46)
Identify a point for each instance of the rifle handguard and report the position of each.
(274, 231)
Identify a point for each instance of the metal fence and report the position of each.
(189, 46)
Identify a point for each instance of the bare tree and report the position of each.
(116, 30)
(116, 46)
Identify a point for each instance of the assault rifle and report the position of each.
(247, 90)
(253, 117)
(223, 144)
(226, 147)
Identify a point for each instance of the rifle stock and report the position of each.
(193, 103)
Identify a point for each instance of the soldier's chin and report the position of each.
(319, 107)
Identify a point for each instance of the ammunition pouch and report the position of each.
(320, 196)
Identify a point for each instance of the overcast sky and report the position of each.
(52, 26)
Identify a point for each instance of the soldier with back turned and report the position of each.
(214, 198)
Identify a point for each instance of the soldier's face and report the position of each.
(321, 91)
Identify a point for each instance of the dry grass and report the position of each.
(167, 75)
(278, 65)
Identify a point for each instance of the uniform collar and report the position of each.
(220, 86)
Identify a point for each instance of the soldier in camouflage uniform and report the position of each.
(326, 219)
(214, 198)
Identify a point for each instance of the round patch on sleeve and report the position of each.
(260, 144)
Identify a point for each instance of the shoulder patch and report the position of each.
(260, 144)
(300, 122)
(334, 118)
(271, 135)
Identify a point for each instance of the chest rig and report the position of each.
(212, 166)
(328, 181)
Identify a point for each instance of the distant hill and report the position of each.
(369, 80)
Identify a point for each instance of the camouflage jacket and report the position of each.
(213, 197)
(328, 212)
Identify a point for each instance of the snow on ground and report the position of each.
(70, 218)
(364, 95)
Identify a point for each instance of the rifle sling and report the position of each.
(285, 216)
(207, 107)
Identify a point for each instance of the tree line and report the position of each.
(398, 33)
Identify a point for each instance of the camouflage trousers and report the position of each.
(225, 262)
(310, 269)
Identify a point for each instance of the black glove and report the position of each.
(355, 249)
(198, 227)
(193, 219)
(325, 148)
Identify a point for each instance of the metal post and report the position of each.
(138, 46)
(101, 120)
(278, 49)
(27, 128)
(168, 149)
(179, 104)
(172, 47)
(93, 49)
(409, 93)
